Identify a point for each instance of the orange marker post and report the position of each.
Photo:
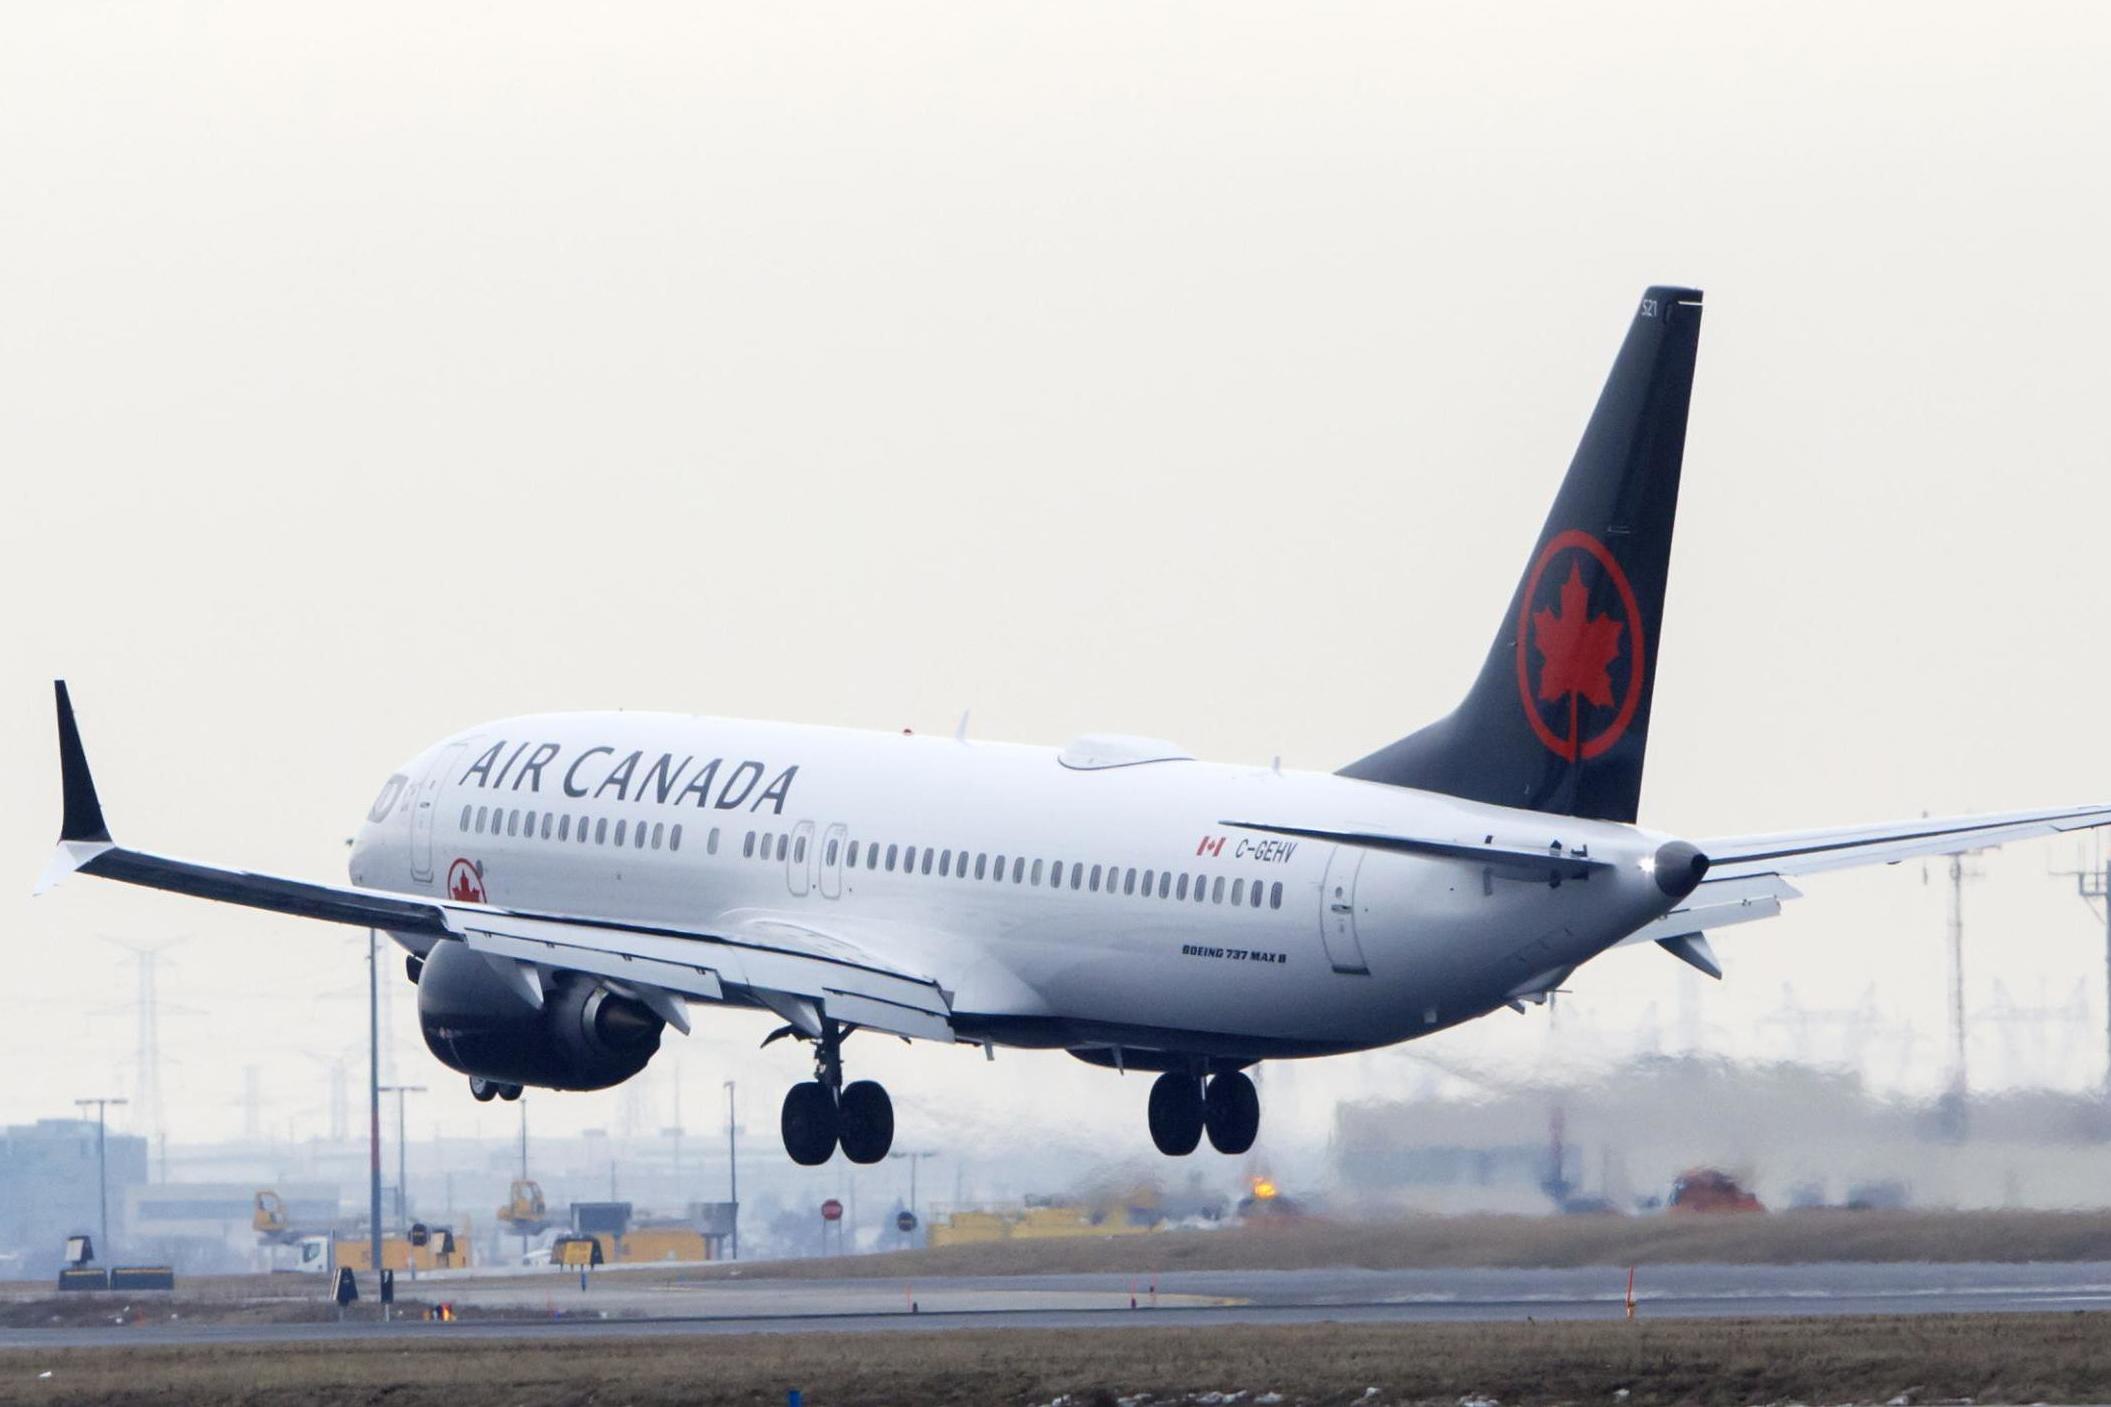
(1630, 1292)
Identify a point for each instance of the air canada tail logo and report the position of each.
(464, 884)
(1580, 652)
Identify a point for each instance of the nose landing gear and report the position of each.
(1182, 1109)
(823, 1113)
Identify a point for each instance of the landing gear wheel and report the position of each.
(1176, 1113)
(1231, 1111)
(509, 1093)
(482, 1090)
(809, 1124)
(865, 1121)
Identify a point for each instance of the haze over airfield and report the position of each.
(1192, 371)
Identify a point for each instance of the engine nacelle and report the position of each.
(479, 1021)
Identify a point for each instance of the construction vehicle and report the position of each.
(1711, 1190)
(269, 1220)
(525, 1213)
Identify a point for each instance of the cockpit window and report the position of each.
(386, 802)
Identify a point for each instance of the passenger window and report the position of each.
(1255, 900)
(927, 859)
(892, 850)
(1148, 876)
(997, 870)
(1128, 883)
(481, 814)
(564, 826)
(1218, 886)
(784, 846)
(1018, 867)
(851, 860)
(982, 865)
(1077, 873)
(465, 817)
(547, 818)
(674, 837)
(601, 830)
(1037, 872)
(872, 856)
(1238, 895)
(528, 829)
(747, 848)
(799, 851)
(513, 823)
(1165, 883)
(945, 864)
(830, 858)
(1055, 874)
(711, 842)
(622, 827)
(1181, 893)
(1095, 879)
(658, 830)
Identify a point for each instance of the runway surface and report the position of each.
(610, 1308)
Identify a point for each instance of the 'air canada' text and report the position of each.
(597, 771)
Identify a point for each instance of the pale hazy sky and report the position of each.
(1197, 370)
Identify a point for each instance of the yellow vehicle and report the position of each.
(641, 1245)
(444, 1249)
(269, 1218)
(524, 1214)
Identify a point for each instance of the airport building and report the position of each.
(49, 1191)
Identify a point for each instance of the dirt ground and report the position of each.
(1985, 1359)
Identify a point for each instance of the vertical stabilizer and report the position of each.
(1559, 718)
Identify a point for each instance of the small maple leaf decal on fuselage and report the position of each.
(464, 884)
(1576, 650)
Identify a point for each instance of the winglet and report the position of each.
(84, 813)
(1693, 950)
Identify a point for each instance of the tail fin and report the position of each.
(1559, 718)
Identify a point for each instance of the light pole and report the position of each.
(102, 1173)
(373, 1033)
(733, 1167)
(402, 1187)
(524, 1167)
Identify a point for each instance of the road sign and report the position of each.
(831, 1210)
(905, 1222)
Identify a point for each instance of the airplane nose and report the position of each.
(1679, 868)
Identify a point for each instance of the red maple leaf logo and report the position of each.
(464, 884)
(1575, 648)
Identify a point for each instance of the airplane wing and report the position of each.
(1747, 874)
(805, 976)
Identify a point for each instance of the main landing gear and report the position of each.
(488, 1090)
(1183, 1108)
(824, 1113)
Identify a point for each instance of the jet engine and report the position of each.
(484, 1020)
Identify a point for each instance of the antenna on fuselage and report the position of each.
(960, 733)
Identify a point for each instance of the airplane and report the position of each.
(567, 886)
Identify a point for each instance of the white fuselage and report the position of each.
(1127, 909)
